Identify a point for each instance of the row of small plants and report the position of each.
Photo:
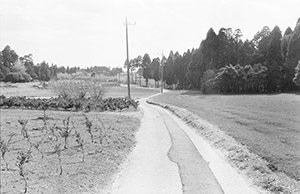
(58, 136)
(78, 104)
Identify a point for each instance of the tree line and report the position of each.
(14, 68)
(224, 63)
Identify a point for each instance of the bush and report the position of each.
(78, 89)
(63, 76)
(17, 77)
(296, 79)
(84, 104)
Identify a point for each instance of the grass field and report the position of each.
(268, 124)
(27, 89)
(136, 92)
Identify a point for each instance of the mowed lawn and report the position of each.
(135, 92)
(268, 124)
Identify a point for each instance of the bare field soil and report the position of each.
(90, 171)
(269, 125)
(91, 175)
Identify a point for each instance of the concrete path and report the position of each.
(149, 169)
(166, 161)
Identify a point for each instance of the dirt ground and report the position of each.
(101, 160)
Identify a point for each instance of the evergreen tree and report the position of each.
(229, 44)
(53, 71)
(274, 62)
(194, 72)
(169, 75)
(206, 57)
(154, 70)
(7, 59)
(181, 68)
(44, 72)
(296, 79)
(285, 42)
(261, 42)
(145, 64)
(246, 52)
(29, 65)
(292, 58)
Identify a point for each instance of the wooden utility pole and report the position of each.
(127, 60)
(162, 64)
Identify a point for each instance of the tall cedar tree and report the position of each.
(293, 56)
(285, 42)
(169, 76)
(145, 64)
(261, 42)
(154, 70)
(44, 72)
(274, 62)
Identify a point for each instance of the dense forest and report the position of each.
(224, 63)
(14, 68)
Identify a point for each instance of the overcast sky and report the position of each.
(91, 32)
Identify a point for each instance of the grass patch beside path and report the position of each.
(136, 92)
(101, 161)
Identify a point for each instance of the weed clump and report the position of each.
(22, 159)
(57, 151)
(79, 141)
(89, 125)
(65, 131)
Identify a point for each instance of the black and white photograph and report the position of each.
(150, 96)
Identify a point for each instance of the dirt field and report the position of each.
(91, 174)
(267, 124)
(101, 160)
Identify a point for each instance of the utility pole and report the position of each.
(162, 73)
(127, 54)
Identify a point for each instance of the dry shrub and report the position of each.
(96, 90)
(78, 89)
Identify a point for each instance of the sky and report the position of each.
(86, 33)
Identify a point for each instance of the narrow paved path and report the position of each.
(165, 160)
(149, 169)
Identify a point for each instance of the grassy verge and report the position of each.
(74, 169)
